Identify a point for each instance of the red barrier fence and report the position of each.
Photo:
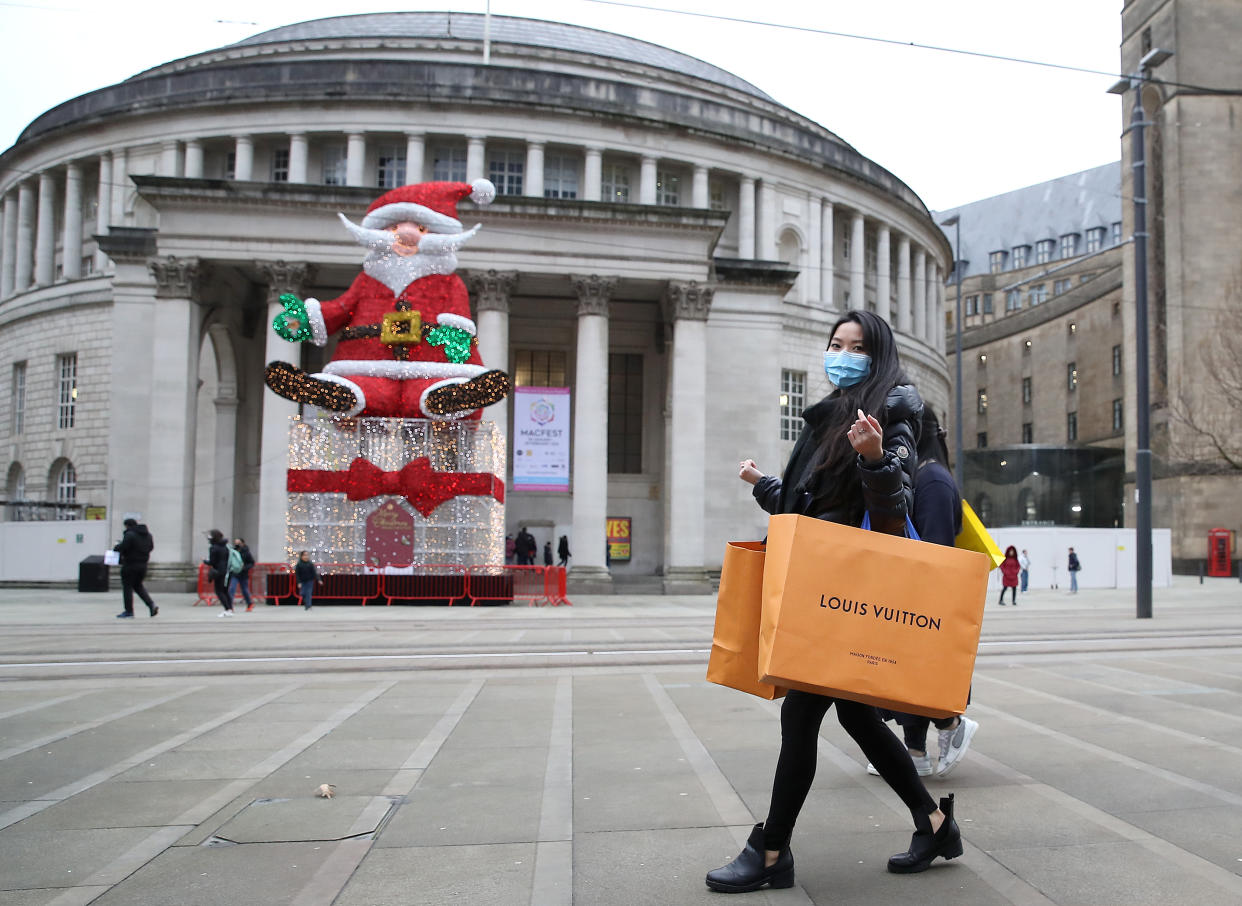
(357, 584)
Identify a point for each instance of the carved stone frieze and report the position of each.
(491, 288)
(178, 278)
(688, 300)
(285, 277)
(594, 293)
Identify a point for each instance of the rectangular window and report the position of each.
(1028, 433)
(716, 196)
(539, 368)
(1061, 286)
(996, 262)
(333, 165)
(560, 176)
(615, 183)
(390, 167)
(1038, 293)
(793, 401)
(67, 391)
(987, 303)
(230, 165)
(1095, 239)
(1013, 300)
(981, 439)
(1116, 234)
(1069, 245)
(505, 169)
(1071, 377)
(668, 188)
(1071, 426)
(1118, 418)
(18, 397)
(870, 257)
(449, 164)
(845, 247)
(1026, 391)
(1043, 251)
(280, 165)
(1116, 361)
(972, 306)
(625, 412)
(981, 402)
(1019, 255)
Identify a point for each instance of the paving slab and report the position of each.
(496, 875)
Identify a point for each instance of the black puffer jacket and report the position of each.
(886, 486)
(136, 546)
(218, 557)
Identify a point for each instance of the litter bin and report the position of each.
(93, 573)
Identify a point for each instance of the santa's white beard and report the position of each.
(437, 254)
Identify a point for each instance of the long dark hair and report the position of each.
(834, 456)
(932, 447)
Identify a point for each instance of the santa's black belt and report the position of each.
(397, 327)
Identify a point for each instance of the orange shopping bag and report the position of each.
(870, 617)
(734, 661)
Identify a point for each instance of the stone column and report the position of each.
(858, 262)
(647, 181)
(920, 293)
(120, 185)
(814, 248)
(415, 156)
(299, 155)
(700, 195)
(765, 230)
(592, 175)
(243, 158)
(490, 291)
(194, 159)
(281, 277)
(167, 165)
(103, 208)
(904, 315)
(23, 257)
(883, 275)
(935, 326)
(173, 405)
(532, 185)
(45, 237)
(355, 158)
(225, 471)
(590, 451)
(828, 261)
(688, 304)
(476, 157)
(8, 261)
(71, 240)
(746, 218)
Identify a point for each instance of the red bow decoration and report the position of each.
(417, 482)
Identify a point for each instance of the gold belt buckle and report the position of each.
(401, 327)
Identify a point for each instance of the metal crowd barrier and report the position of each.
(432, 582)
(345, 581)
(268, 582)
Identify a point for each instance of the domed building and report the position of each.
(667, 241)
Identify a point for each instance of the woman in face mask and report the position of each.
(856, 454)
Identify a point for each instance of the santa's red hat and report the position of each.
(432, 204)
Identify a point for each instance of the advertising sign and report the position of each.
(617, 535)
(390, 536)
(541, 439)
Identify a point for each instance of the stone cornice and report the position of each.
(490, 288)
(285, 277)
(130, 245)
(594, 293)
(178, 278)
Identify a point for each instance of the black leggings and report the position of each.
(801, 716)
(1010, 588)
(222, 591)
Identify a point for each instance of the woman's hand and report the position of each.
(867, 438)
(748, 471)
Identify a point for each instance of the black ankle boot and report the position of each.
(926, 846)
(747, 872)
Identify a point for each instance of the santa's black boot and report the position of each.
(295, 384)
(489, 387)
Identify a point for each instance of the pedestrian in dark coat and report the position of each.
(1010, 568)
(306, 576)
(547, 553)
(135, 549)
(1074, 566)
(242, 579)
(562, 551)
(856, 454)
(218, 569)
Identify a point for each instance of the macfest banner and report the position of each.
(541, 439)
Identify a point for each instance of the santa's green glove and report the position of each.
(293, 324)
(456, 342)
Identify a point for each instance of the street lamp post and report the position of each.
(1142, 364)
(956, 221)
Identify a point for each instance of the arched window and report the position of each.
(1029, 512)
(15, 484)
(64, 488)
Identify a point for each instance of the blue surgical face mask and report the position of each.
(845, 369)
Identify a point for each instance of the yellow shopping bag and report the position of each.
(974, 537)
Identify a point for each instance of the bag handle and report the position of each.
(911, 531)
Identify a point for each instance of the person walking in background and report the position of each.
(547, 553)
(1024, 562)
(241, 578)
(218, 569)
(1073, 566)
(135, 549)
(525, 547)
(855, 454)
(510, 548)
(562, 551)
(1009, 574)
(306, 576)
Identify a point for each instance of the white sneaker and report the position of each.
(954, 743)
(922, 764)
(225, 613)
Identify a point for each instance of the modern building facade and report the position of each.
(668, 241)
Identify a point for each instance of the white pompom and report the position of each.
(482, 191)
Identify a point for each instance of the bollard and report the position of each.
(1200, 572)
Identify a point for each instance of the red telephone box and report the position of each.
(1220, 552)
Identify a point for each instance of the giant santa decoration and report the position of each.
(407, 345)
